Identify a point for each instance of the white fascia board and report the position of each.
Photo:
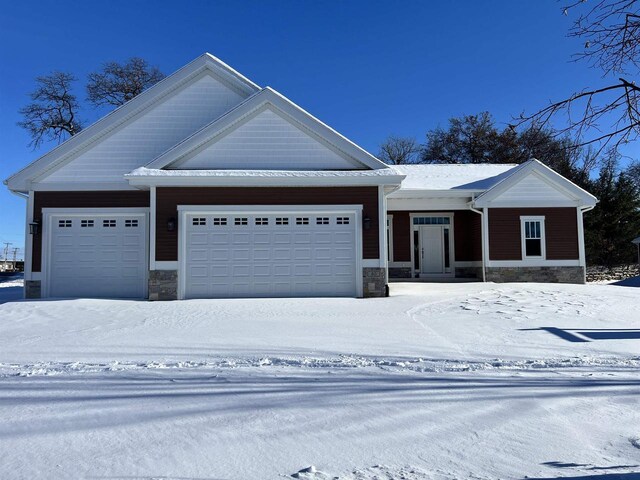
(81, 186)
(247, 181)
(532, 263)
(146, 99)
(266, 97)
(416, 193)
(576, 196)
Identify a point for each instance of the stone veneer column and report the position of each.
(163, 285)
(374, 281)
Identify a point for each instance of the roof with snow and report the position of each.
(475, 177)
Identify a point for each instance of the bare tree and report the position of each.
(117, 83)
(52, 114)
(399, 150)
(611, 33)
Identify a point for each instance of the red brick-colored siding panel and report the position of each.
(168, 199)
(401, 236)
(561, 232)
(467, 232)
(95, 199)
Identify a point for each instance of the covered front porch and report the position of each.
(434, 245)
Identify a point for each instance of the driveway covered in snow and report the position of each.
(437, 381)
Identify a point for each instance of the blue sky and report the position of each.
(367, 68)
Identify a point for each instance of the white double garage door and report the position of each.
(272, 252)
(223, 253)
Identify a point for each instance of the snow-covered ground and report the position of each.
(438, 381)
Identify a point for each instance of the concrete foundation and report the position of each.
(536, 274)
(469, 272)
(374, 282)
(399, 272)
(163, 285)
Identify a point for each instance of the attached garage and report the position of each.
(95, 253)
(270, 251)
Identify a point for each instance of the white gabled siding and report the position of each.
(155, 131)
(267, 141)
(533, 191)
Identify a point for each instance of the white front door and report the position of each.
(94, 255)
(431, 250)
(269, 254)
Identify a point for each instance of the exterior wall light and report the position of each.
(366, 223)
(34, 227)
(171, 224)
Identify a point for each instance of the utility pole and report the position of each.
(15, 254)
(6, 254)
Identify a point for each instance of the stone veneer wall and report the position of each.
(536, 274)
(163, 285)
(374, 282)
(468, 272)
(399, 272)
(32, 289)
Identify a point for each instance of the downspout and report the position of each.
(481, 213)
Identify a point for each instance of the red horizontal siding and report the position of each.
(561, 232)
(95, 199)
(168, 199)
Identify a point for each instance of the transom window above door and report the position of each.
(431, 220)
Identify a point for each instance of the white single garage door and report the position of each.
(96, 255)
(282, 254)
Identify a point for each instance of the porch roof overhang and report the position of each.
(148, 177)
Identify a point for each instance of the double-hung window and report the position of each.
(533, 241)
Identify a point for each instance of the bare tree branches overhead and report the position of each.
(607, 116)
(118, 83)
(399, 150)
(52, 115)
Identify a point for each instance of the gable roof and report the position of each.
(270, 99)
(130, 110)
(574, 195)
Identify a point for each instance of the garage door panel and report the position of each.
(261, 255)
(101, 255)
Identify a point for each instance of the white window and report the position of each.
(532, 235)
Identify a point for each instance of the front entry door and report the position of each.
(432, 249)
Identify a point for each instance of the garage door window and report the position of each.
(219, 221)
(130, 223)
(86, 223)
(109, 223)
(262, 221)
(342, 220)
(282, 221)
(199, 221)
(241, 221)
(322, 221)
(302, 221)
(64, 223)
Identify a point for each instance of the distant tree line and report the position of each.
(53, 113)
(609, 227)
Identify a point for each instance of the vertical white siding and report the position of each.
(534, 191)
(267, 141)
(150, 134)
